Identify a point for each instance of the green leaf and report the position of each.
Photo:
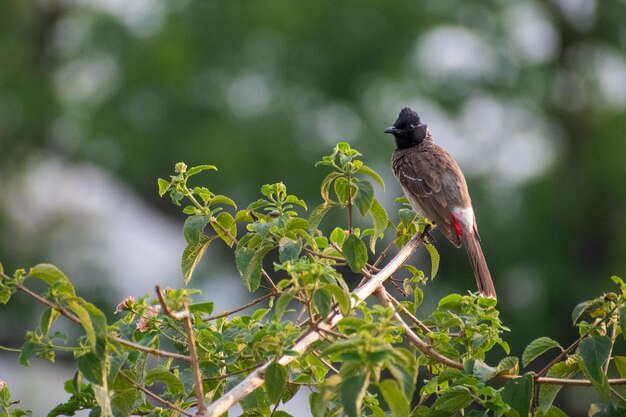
(289, 249)
(482, 371)
(323, 301)
(225, 223)
(364, 196)
(249, 264)
(192, 255)
(355, 252)
(275, 381)
(453, 399)
(595, 351)
(394, 397)
(364, 169)
(52, 275)
(620, 364)
(92, 367)
(281, 304)
(318, 214)
(103, 399)
(434, 259)
(352, 392)
(379, 218)
(536, 348)
(221, 199)
(163, 186)
(205, 307)
(518, 393)
(341, 296)
(338, 236)
(343, 190)
(200, 168)
(48, 317)
(295, 200)
(580, 309)
(451, 302)
(193, 228)
(28, 350)
(163, 375)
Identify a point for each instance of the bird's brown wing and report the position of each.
(420, 172)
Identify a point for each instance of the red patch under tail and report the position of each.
(457, 226)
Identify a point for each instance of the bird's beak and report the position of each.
(391, 130)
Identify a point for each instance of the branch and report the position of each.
(256, 378)
(424, 347)
(185, 316)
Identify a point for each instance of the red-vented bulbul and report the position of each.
(435, 186)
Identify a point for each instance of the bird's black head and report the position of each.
(408, 130)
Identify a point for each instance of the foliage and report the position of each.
(169, 355)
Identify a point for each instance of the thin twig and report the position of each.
(149, 350)
(154, 396)
(424, 347)
(409, 315)
(238, 309)
(185, 317)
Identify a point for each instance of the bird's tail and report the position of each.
(479, 265)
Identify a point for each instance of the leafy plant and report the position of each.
(170, 355)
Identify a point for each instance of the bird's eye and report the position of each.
(411, 127)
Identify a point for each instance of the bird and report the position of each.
(436, 188)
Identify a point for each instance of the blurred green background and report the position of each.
(98, 98)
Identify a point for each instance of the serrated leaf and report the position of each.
(355, 252)
(453, 399)
(581, 308)
(364, 196)
(364, 169)
(395, 398)
(200, 168)
(536, 348)
(249, 263)
(318, 214)
(508, 365)
(275, 381)
(193, 228)
(163, 186)
(434, 259)
(289, 249)
(192, 255)
(352, 392)
(518, 393)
